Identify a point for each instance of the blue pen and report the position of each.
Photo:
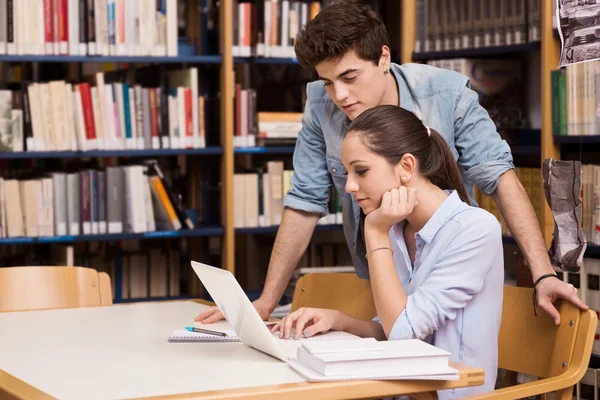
(199, 330)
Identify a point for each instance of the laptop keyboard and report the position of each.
(290, 346)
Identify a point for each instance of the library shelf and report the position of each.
(476, 52)
(199, 59)
(265, 150)
(208, 230)
(265, 60)
(525, 150)
(592, 251)
(591, 139)
(274, 228)
(213, 150)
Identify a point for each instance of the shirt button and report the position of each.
(334, 170)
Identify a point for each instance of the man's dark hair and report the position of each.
(338, 28)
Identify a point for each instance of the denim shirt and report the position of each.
(442, 99)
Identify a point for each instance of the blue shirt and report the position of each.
(441, 98)
(454, 289)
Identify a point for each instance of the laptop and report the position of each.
(241, 314)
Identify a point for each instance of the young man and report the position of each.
(347, 44)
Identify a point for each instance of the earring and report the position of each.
(386, 71)
(403, 178)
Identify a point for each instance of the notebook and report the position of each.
(182, 335)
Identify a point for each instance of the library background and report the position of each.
(199, 102)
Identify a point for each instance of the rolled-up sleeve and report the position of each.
(483, 154)
(453, 282)
(311, 181)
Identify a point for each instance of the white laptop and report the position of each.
(243, 317)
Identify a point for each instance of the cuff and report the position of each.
(402, 328)
(486, 176)
(297, 203)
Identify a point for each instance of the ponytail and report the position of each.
(441, 168)
(392, 132)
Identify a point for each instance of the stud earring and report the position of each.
(386, 71)
(403, 178)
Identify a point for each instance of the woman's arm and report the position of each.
(388, 294)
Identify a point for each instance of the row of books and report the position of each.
(60, 116)
(575, 100)
(258, 197)
(269, 28)
(443, 25)
(133, 198)
(254, 128)
(499, 84)
(531, 179)
(89, 27)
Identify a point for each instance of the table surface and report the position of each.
(122, 351)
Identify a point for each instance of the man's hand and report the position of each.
(213, 314)
(550, 290)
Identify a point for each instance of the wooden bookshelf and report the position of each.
(213, 150)
(198, 232)
(478, 52)
(550, 57)
(199, 59)
(227, 131)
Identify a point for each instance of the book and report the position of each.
(363, 359)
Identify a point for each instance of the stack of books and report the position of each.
(319, 361)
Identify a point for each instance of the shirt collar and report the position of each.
(440, 216)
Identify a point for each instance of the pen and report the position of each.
(199, 330)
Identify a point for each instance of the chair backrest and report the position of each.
(339, 291)
(534, 344)
(29, 288)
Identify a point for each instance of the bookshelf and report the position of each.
(203, 231)
(211, 150)
(478, 52)
(200, 59)
(265, 150)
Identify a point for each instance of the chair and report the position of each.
(558, 355)
(340, 291)
(534, 345)
(29, 288)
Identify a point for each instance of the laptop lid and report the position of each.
(228, 295)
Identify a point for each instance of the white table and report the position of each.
(122, 351)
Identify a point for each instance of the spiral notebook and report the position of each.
(182, 335)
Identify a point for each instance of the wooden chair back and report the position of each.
(43, 287)
(339, 291)
(558, 355)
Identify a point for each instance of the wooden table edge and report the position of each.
(15, 388)
(468, 376)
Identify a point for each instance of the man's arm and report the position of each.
(303, 205)
(488, 163)
(291, 242)
(524, 226)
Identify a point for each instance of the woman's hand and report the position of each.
(308, 322)
(396, 205)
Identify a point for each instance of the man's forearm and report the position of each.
(522, 222)
(292, 239)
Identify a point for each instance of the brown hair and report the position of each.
(392, 132)
(338, 28)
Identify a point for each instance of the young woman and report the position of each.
(435, 263)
